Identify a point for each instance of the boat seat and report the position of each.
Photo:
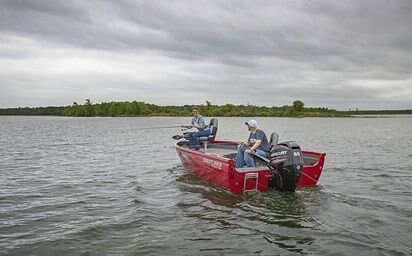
(274, 139)
(213, 130)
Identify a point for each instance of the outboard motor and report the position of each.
(286, 160)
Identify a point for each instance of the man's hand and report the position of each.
(249, 151)
(188, 126)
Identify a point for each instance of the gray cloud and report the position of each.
(337, 54)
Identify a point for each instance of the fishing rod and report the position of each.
(160, 127)
(184, 127)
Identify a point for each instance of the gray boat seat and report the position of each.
(213, 125)
(274, 139)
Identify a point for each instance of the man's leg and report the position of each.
(262, 153)
(240, 162)
(191, 140)
(196, 142)
(249, 160)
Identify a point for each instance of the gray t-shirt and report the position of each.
(200, 120)
(259, 135)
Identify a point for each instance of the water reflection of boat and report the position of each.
(288, 167)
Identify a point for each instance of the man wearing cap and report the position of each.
(257, 143)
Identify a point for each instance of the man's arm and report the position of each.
(254, 147)
(190, 126)
(200, 123)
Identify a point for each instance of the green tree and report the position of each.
(88, 108)
(298, 106)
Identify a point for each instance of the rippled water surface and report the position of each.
(105, 186)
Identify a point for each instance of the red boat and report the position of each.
(287, 168)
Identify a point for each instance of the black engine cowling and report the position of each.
(286, 160)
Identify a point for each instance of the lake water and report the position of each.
(105, 186)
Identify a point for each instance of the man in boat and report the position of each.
(257, 143)
(199, 123)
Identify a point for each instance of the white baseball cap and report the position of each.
(252, 123)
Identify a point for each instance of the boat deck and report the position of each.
(224, 152)
(220, 149)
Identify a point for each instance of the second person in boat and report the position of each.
(199, 123)
(257, 143)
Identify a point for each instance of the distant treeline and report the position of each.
(135, 108)
(144, 109)
(37, 111)
(378, 112)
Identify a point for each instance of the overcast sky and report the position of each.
(338, 54)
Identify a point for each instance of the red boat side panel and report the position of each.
(311, 173)
(207, 166)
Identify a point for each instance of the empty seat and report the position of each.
(274, 139)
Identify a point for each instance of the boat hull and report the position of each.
(220, 170)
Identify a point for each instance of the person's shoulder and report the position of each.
(261, 132)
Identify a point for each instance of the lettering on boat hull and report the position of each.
(213, 163)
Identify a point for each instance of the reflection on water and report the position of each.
(276, 204)
(274, 208)
(216, 195)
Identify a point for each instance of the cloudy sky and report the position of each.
(338, 54)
